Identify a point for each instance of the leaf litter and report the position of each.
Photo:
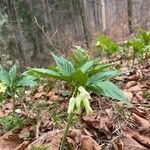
(111, 126)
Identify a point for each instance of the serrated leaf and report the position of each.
(24, 81)
(79, 57)
(43, 71)
(87, 65)
(13, 73)
(65, 67)
(102, 76)
(97, 68)
(4, 77)
(79, 77)
(109, 89)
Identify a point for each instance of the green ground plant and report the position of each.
(11, 121)
(84, 77)
(107, 46)
(11, 82)
(39, 148)
(139, 45)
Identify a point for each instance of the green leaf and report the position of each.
(13, 73)
(87, 65)
(97, 68)
(4, 77)
(106, 45)
(109, 89)
(44, 72)
(65, 67)
(79, 56)
(26, 81)
(102, 76)
(79, 78)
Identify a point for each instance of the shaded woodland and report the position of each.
(31, 29)
(74, 74)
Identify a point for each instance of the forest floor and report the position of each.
(112, 126)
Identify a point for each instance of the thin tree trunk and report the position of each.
(129, 7)
(36, 51)
(18, 32)
(84, 25)
(103, 15)
(73, 18)
(13, 52)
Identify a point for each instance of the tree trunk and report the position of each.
(84, 24)
(36, 51)
(103, 15)
(18, 32)
(129, 7)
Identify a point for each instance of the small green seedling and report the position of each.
(39, 148)
(10, 122)
(107, 46)
(11, 83)
(26, 135)
(87, 76)
(139, 44)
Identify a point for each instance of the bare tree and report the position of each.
(103, 15)
(13, 14)
(84, 24)
(129, 7)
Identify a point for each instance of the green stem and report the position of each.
(14, 102)
(133, 60)
(70, 117)
(69, 121)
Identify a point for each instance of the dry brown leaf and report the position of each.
(142, 139)
(88, 143)
(119, 78)
(23, 131)
(138, 97)
(40, 94)
(139, 112)
(135, 88)
(72, 143)
(130, 144)
(87, 132)
(6, 144)
(110, 112)
(2, 114)
(23, 145)
(52, 95)
(145, 124)
(130, 84)
(101, 123)
(51, 140)
(128, 95)
(9, 142)
(133, 77)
